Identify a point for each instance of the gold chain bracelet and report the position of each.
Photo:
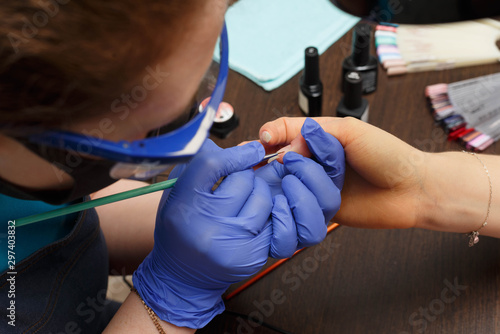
(151, 313)
(474, 235)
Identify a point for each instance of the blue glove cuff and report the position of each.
(175, 302)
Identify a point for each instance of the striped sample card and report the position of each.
(468, 110)
(417, 48)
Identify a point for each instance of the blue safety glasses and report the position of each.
(143, 159)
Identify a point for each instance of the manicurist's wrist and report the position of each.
(135, 317)
(174, 301)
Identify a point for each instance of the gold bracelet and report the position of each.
(151, 313)
(474, 235)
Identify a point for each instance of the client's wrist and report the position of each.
(455, 193)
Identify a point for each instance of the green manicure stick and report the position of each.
(96, 202)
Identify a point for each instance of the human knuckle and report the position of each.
(349, 122)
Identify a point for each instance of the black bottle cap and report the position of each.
(353, 90)
(311, 69)
(361, 44)
(225, 120)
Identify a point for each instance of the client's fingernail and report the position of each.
(280, 153)
(285, 149)
(266, 137)
(272, 159)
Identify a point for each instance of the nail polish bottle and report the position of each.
(310, 86)
(361, 60)
(352, 103)
(225, 119)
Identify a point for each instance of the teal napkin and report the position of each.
(267, 38)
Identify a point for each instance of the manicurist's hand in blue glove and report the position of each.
(300, 179)
(206, 240)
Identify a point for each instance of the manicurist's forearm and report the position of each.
(456, 191)
(132, 317)
(128, 226)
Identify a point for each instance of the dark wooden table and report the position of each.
(369, 281)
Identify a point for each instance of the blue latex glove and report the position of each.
(207, 240)
(320, 180)
(326, 149)
(285, 238)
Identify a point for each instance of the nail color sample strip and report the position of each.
(468, 110)
(416, 48)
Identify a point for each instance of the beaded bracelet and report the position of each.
(474, 235)
(151, 313)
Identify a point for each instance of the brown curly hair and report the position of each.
(63, 60)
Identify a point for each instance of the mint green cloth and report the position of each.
(267, 38)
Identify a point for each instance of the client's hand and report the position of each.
(383, 179)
